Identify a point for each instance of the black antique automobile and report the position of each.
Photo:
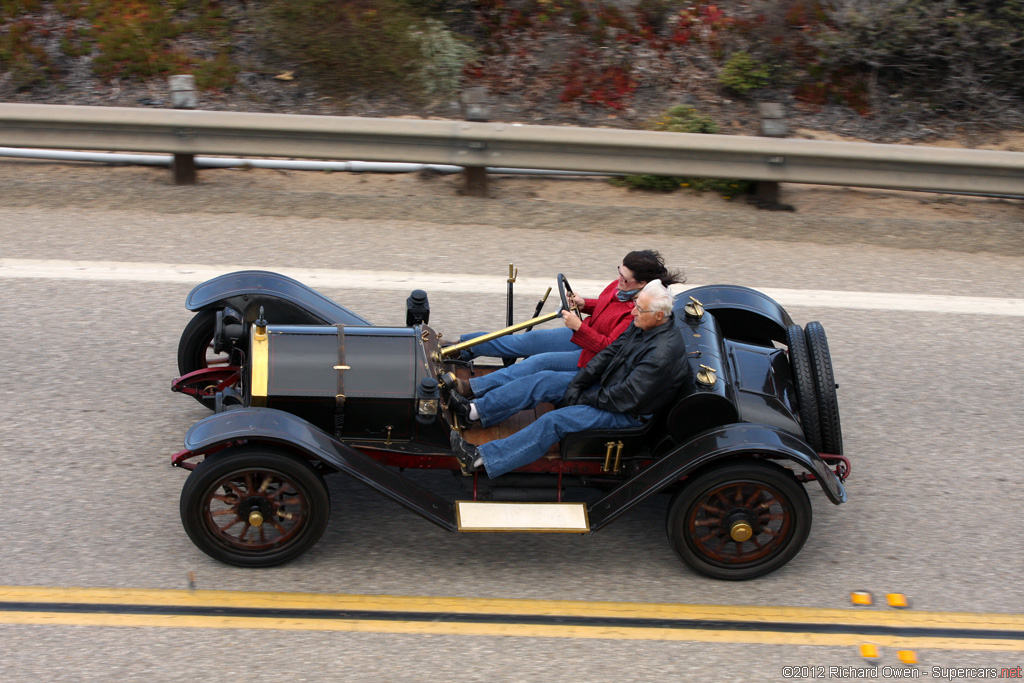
(301, 387)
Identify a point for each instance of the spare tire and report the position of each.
(825, 388)
(803, 378)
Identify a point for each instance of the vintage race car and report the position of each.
(302, 387)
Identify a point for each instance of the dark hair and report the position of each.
(648, 265)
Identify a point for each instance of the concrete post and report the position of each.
(183, 96)
(773, 125)
(476, 106)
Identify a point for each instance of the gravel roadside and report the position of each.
(823, 215)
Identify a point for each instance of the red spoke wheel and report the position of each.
(739, 521)
(254, 507)
(195, 349)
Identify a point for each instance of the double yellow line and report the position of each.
(525, 618)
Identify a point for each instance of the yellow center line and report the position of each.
(808, 626)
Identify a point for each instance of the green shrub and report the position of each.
(136, 39)
(361, 45)
(22, 57)
(725, 187)
(444, 57)
(742, 73)
(11, 8)
(685, 119)
(651, 183)
(960, 57)
(217, 73)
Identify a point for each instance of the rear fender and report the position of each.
(285, 301)
(721, 443)
(742, 313)
(275, 426)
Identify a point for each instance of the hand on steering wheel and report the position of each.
(567, 296)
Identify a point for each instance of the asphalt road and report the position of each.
(931, 402)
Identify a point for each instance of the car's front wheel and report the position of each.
(254, 506)
(739, 521)
(195, 349)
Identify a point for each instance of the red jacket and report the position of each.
(608, 318)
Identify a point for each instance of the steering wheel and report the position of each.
(568, 300)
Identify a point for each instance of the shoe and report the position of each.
(461, 405)
(462, 386)
(465, 452)
(452, 383)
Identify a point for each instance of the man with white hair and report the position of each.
(628, 381)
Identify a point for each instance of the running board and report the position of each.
(567, 518)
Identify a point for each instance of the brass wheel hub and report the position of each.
(741, 531)
(255, 510)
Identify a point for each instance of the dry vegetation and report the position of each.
(878, 69)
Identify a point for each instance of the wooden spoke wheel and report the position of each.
(254, 507)
(739, 521)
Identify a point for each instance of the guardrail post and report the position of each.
(476, 106)
(773, 125)
(183, 96)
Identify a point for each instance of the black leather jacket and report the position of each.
(636, 374)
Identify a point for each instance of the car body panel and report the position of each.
(744, 314)
(276, 426)
(318, 381)
(718, 444)
(284, 299)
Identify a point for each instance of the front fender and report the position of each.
(742, 313)
(275, 426)
(286, 301)
(720, 443)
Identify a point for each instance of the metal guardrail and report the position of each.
(512, 146)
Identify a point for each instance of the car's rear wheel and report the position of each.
(254, 506)
(739, 521)
(195, 349)
(803, 378)
(825, 389)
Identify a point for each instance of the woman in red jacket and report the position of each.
(552, 357)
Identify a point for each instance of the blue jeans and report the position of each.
(527, 445)
(522, 393)
(562, 361)
(522, 345)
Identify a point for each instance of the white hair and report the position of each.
(661, 298)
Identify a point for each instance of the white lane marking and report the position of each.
(193, 274)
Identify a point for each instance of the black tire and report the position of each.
(803, 378)
(195, 348)
(225, 489)
(825, 389)
(196, 340)
(761, 494)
